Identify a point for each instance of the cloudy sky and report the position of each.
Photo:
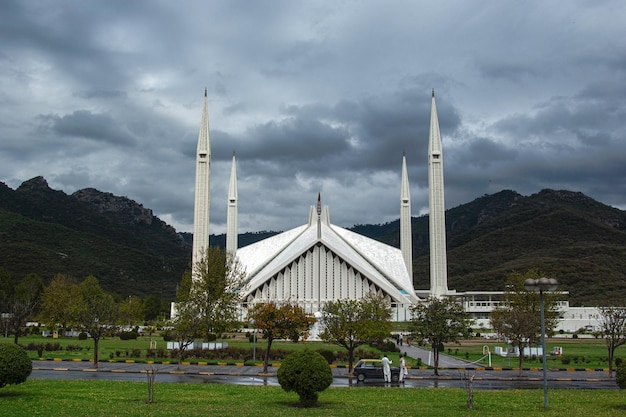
(313, 96)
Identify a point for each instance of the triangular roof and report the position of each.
(380, 263)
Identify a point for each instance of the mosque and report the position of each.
(320, 262)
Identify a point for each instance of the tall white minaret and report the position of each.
(202, 199)
(437, 216)
(406, 245)
(231, 219)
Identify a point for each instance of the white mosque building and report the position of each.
(320, 262)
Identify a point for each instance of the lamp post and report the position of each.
(541, 285)
(253, 323)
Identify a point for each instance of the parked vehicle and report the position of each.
(373, 369)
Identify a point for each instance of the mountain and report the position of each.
(123, 244)
(564, 234)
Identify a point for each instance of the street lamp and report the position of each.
(541, 285)
(253, 323)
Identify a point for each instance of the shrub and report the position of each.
(128, 335)
(329, 355)
(82, 336)
(306, 373)
(15, 365)
(620, 375)
(565, 360)
(53, 347)
(71, 348)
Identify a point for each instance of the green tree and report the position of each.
(186, 318)
(518, 316)
(280, 321)
(131, 311)
(306, 373)
(15, 365)
(218, 279)
(208, 298)
(352, 323)
(613, 324)
(24, 303)
(59, 302)
(437, 321)
(153, 307)
(97, 312)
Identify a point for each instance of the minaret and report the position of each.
(202, 200)
(231, 219)
(406, 245)
(436, 217)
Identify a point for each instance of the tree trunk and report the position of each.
(350, 359)
(96, 342)
(521, 362)
(611, 355)
(436, 359)
(266, 359)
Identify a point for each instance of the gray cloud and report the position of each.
(313, 97)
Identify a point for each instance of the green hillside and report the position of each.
(566, 235)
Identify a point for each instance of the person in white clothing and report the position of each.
(403, 371)
(386, 368)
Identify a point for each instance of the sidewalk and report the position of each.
(445, 373)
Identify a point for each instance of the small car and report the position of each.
(373, 368)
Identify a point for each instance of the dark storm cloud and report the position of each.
(313, 97)
(86, 125)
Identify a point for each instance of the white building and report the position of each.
(320, 262)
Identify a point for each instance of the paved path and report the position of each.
(445, 361)
(532, 376)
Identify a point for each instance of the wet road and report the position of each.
(251, 375)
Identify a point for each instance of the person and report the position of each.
(386, 368)
(403, 371)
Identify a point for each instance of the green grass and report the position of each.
(116, 398)
(582, 353)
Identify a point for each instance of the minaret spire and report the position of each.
(319, 215)
(436, 217)
(406, 245)
(202, 190)
(231, 219)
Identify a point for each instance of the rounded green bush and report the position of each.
(15, 365)
(620, 375)
(306, 373)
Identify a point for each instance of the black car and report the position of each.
(373, 368)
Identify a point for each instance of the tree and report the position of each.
(613, 324)
(306, 373)
(59, 302)
(131, 311)
(97, 312)
(217, 280)
(207, 298)
(15, 365)
(518, 317)
(280, 321)
(152, 307)
(437, 321)
(352, 323)
(24, 302)
(186, 320)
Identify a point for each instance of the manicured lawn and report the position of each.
(116, 398)
(577, 353)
